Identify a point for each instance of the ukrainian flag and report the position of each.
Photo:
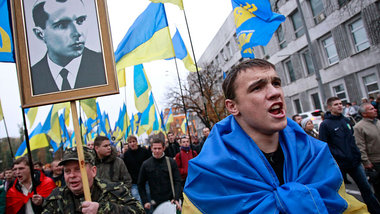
(89, 107)
(31, 113)
(142, 88)
(255, 24)
(148, 116)
(182, 53)
(1, 112)
(6, 44)
(37, 140)
(169, 120)
(147, 39)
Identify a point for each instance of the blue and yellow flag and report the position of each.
(182, 53)
(148, 116)
(142, 88)
(255, 24)
(121, 78)
(89, 107)
(169, 120)
(6, 44)
(147, 39)
(233, 174)
(37, 140)
(31, 113)
(1, 112)
(179, 3)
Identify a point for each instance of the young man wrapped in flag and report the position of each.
(258, 161)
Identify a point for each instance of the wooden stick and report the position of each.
(78, 139)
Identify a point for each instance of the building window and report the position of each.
(224, 55)
(316, 101)
(308, 62)
(340, 92)
(281, 37)
(297, 24)
(317, 10)
(359, 35)
(291, 73)
(229, 48)
(330, 50)
(371, 85)
(343, 2)
(297, 105)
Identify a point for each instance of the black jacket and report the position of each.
(133, 159)
(156, 172)
(338, 133)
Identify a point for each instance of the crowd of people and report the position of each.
(135, 181)
(254, 161)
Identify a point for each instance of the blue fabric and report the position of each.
(232, 175)
(6, 44)
(258, 29)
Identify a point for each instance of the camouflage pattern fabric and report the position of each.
(112, 198)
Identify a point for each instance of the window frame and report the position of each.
(336, 84)
(288, 76)
(325, 53)
(305, 64)
(352, 37)
(282, 43)
(300, 31)
(320, 16)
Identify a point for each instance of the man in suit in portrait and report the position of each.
(67, 64)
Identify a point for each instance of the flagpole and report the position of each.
(196, 66)
(9, 140)
(126, 111)
(183, 99)
(31, 166)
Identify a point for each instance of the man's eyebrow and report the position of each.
(256, 83)
(276, 79)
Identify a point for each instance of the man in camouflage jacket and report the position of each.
(105, 197)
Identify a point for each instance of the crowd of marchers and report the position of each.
(135, 180)
(353, 134)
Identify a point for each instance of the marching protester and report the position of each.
(338, 133)
(110, 167)
(133, 159)
(258, 161)
(9, 178)
(297, 118)
(57, 174)
(105, 197)
(23, 197)
(308, 127)
(183, 157)
(173, 147)
(367, 136)
(164, 184)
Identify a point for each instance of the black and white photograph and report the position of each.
(64, 44)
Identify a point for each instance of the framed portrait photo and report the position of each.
(63, 50)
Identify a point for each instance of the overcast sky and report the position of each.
(204, 19)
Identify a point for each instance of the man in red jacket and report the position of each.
(182, 158)
(22, 197)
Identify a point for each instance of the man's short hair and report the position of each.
(158, 140)
(229, 82)
(99, 139)
(294, 116)
(362, 109)
(331, 100)
(131, 137)
(170, 133)
(39, 14)
(23, 159)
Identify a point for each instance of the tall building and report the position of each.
(345, 37)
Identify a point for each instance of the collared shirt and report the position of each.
(72, 67)
(28, 205)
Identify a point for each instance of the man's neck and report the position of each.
(335, 114)
(27, 183)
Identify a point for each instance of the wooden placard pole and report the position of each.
(78, 139)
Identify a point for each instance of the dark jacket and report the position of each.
(2, 197)
(338, 133)
(133, 159)
(113, 169)
(112, 198)
(172, 149)
(91, 73)
(156, 172)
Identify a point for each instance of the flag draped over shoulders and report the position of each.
(231, 174)
(255, 24)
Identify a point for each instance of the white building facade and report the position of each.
(345, 39)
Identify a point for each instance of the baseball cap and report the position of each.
(72, 154)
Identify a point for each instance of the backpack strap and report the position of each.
(170, 175)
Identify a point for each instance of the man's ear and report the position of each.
(39, 33)
(231, 107)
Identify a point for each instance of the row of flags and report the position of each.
(147, 39)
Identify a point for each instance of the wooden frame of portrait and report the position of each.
(24, 65)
